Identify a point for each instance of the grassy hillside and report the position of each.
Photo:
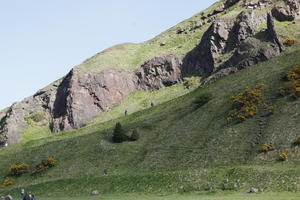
(183, 150)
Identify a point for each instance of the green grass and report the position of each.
(193, 196)
(178, 144)
(141, 100)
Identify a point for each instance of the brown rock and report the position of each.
(80, 96)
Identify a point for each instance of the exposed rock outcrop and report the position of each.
(223, 36)
(73, 101)
(289, 12)
(159, 72)
(250, 52)
(257, 4)
(14, 120)
(83, 95)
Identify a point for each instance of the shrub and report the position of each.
(44, 165)
(271, 109)
(202, 100)
(267, 147)
(290, 42)
(18, 170)
(297, 141)
(135, 135)
(49, 162)
(7, 182)
(38, 116)
(191, 82)
(283, 155)
(34, 118)
(119, 135)
(291, 87)
(247, 103)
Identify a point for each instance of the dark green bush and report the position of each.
(119, 135)
(44, 165)
(135, 135)
(202, 100)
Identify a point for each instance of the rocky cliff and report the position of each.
(233, 43)
(230, 44)
(80, 96)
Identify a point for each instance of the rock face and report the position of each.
(289, 12)
(229, 3)
(233, 44)
(257, 4)
(80, 96)
(223, 36)
(14, 121)
(159, 72)
(83, 95)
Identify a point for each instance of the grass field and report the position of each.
(180, 150)
(194, 196)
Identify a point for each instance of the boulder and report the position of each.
(253, 190)
(159, 72)
(8, 197)
(229, 3)
(254, 4)
(95, 193)
(288, 12)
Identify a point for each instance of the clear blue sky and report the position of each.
(41, 40)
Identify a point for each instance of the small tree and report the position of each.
(135, 135)
(119, 134)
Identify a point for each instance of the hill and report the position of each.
(183, 147)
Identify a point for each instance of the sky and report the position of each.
(40, 41)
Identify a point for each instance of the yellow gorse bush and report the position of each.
(18, 170)
(7, 182)
(290, 41)
(49, 162)
(292, 84)
(247, 103)
(267, 148)
(283, 155)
